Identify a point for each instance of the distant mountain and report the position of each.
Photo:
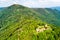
(56, 8)
(1, 8)
(22, 23)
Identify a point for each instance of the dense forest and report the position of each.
(22, 23)
(51, 16)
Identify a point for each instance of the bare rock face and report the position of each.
(43, 28)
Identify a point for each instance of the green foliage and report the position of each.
(20, 23)
(49, 15)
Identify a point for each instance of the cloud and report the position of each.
(49, 0)
(3, 0)
(42, 3)
(31, 3)
(5, 3)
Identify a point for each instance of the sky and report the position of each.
(31, 3)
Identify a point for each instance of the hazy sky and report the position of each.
(31, 3)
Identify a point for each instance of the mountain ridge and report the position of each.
(22, 23)
(49, 15)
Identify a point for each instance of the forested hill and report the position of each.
(21, 23)
(57, 8)
(52, 16)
